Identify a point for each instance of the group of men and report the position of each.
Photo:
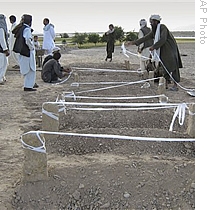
(158, 40)
(21, 46)
(164, 49)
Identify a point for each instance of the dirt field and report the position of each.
(88, 173)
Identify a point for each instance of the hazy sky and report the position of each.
(68, 16)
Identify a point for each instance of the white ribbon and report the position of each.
(125, 51)
(109, 136)
(41, 148)
(61, 82)
(155, 57)
(50, 114)
(180, 112)
(70, 95)
(104, 70)
(116, 86)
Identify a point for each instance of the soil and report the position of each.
(98, 173)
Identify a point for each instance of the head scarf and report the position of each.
(3, 24)
(47, 27)
(27, 19)
(155, 17)
(142, 23)
(55, 49)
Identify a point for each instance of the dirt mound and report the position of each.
(98, 173)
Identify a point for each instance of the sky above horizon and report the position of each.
(70, 17)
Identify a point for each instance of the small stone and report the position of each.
(105, 206)
(81, 186)
(193, 185)
(76, 195)
(126, 195)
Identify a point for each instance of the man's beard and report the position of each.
(154, 28)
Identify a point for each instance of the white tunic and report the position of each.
(28, 63)
(48, 38)
(11, 44)
(3, 58)
(145, 52)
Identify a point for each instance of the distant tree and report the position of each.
(119, 33)
(103, 38)
(65, 35)
(131, 36)
(63, 41)
(79, 38)
(93, 38)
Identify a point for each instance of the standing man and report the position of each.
(143, 48)
(165, 48)
(4, 49)
(48, 36)
(14, 55)
(24, 45)
(110, 42)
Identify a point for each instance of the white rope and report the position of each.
(112, 104)
(61, 82)
(120, 109)
(186, 89)
(97, 83)
(125, 51)
(109, 136)
(180, 112)
(105, 70)
(50, 114)
(116, 86)
(41, 148)
(72, 95)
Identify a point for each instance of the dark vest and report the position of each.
(148, 43)
(1, 49)
(20, 45)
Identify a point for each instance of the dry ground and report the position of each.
(98, 173)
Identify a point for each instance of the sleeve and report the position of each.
(144, 38)
(57, 69)
(140, 35)
(52, 32)
(3, 40)
(28, 38)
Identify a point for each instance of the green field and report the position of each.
(69, 42)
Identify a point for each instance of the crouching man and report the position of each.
(52, 70)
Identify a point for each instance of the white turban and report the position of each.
(55, 49)
(155, 17)
(142, 23)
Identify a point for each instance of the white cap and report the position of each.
(155, 17)
(56, 49)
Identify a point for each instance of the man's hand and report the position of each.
(129, 43)
(151, 48)
(6, 52)
(67, 70)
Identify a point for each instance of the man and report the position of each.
(165, 48)
(143, 48)
(52, 70)
(36, 43)
(110, 42)
(14, 55)
(24, 45)
(48, 36)
(4, 49)
(50, 56)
